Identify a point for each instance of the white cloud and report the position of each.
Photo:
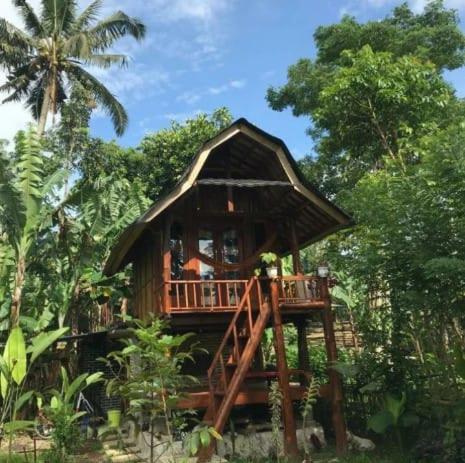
(205, 11)
(237, 83)
(188, 97)
(183, 116)
(232, 84)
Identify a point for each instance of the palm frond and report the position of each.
(106, 60)
(78, 45)
(19, 82)
(58, 16)
(31, 21)
(103, 97)
(15, 45)
(115, 27)
(89, 15)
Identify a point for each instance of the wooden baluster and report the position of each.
(249, 314)
(228, 300)
(259, 294)
(211, 295)
(236, 345)
(202, 294)
(236, 299)
(186, 295)
(220, 295)
(223, 374)
(194, 292)
(178, 300)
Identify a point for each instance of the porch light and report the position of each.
(323, 270)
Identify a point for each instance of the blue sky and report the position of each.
(202, 54)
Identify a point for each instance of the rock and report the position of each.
(360, 443)
(257, 444)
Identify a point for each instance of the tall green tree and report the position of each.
(43, 61)
(372, 88)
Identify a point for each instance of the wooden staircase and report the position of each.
(234, 357)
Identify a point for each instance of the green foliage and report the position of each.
(373, 90)
(148, 375)
(200, 436)
(25, 193)
(432, 35)
(168, 152)
(306, 408)
(63, 417)
(15, 368)
(275, 401)
(389, 140)
(269, 258)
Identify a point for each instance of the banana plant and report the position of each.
(15, 365)
(394, 415)
(25, 208)
(62, 414)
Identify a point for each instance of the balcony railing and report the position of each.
(300, 289)
(203, 295)
(183, 296)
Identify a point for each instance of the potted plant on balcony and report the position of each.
(271, 260)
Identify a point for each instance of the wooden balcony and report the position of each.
(222, 296)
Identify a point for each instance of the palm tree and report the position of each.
(52, 53)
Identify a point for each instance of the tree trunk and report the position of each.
(18, 292)
(44, 111)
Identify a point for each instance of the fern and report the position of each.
(275, 399)
(306, 408)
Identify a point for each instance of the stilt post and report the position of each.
(302, 349)
(335, 381)
(290, 437)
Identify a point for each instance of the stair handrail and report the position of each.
(230, 329)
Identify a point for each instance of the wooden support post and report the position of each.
(302, 349)
(335, 381)
(290, 437)
(296, 262)
(167, 265)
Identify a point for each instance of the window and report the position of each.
(177, 251)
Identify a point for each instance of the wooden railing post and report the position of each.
(290, 437)
(335, 381)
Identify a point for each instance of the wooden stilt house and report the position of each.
(194, 253)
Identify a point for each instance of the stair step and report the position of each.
(116, 444)
(125, 458)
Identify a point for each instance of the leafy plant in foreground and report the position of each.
(15, 367)
(393, 415)
(64, 418)
(148, 376)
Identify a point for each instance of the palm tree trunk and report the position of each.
(44, 111)
(18, 292)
